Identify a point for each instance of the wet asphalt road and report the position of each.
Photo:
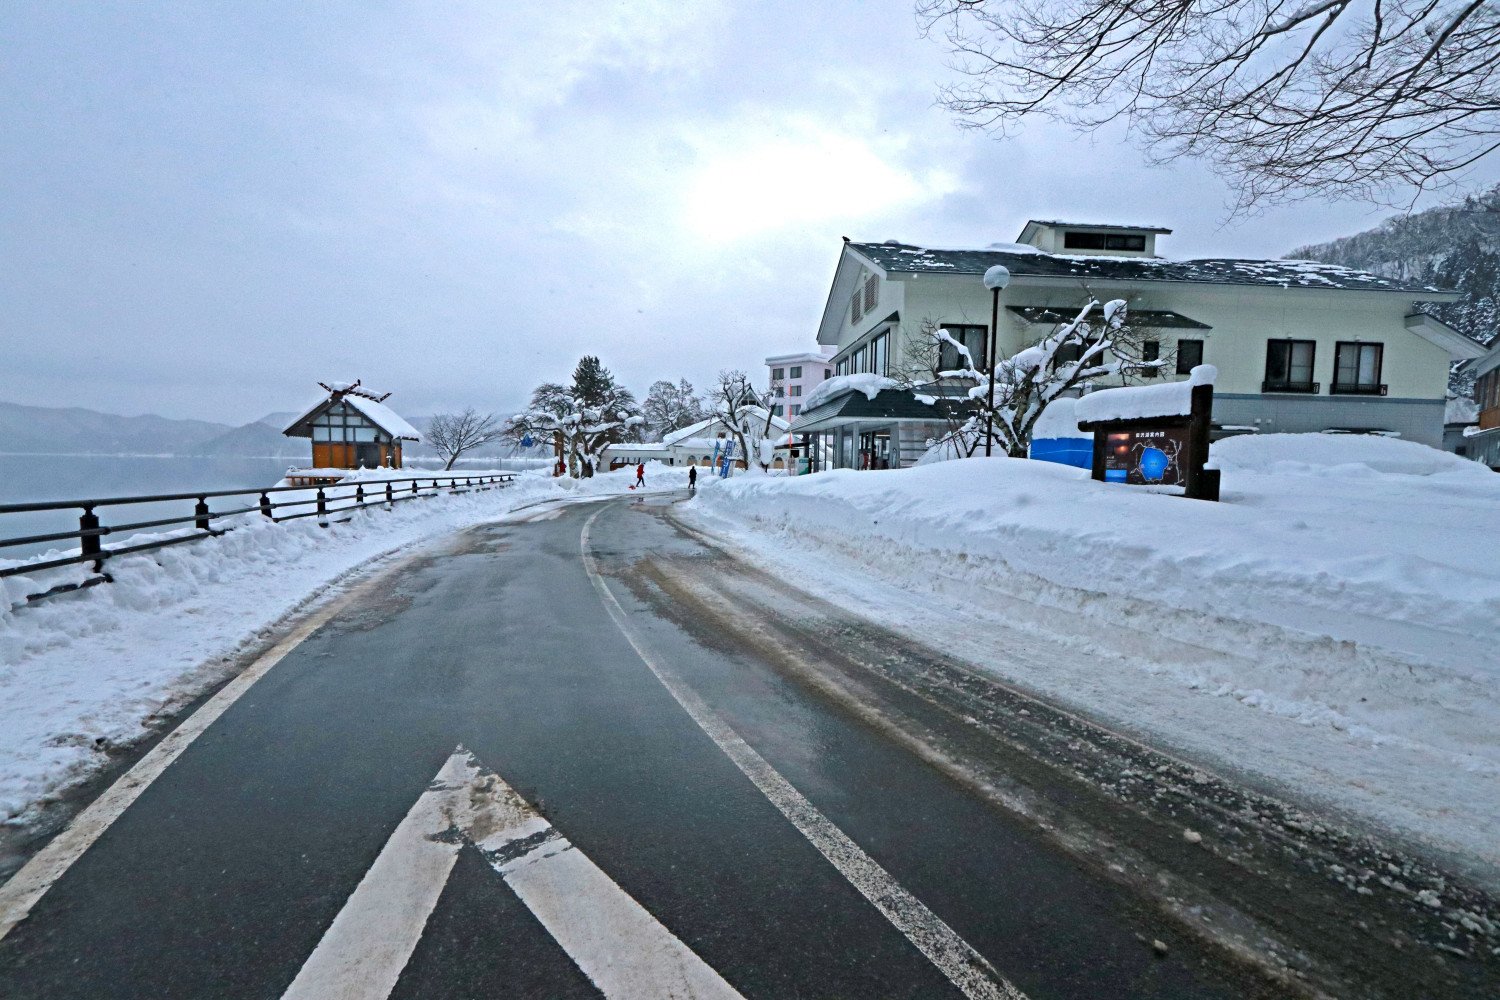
(221, 879)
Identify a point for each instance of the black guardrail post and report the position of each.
(359, 494)
(201, 513)
(88, 542)
(265, 505)
(390, 496)
(322, 507)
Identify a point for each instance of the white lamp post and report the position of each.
(995, 279)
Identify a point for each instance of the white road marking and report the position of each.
(28, 885)
(31, 882)
(968, 970)
(623, 949)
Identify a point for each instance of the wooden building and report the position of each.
(353, 429)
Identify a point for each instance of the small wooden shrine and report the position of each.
(353, 429)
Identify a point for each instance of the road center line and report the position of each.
(954, 957)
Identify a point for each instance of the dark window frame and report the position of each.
(1375, 388)
(1185, 364)
(962, 332)
(1074, 240)
(1287, 384)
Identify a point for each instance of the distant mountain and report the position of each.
(1457, 246)
(258, 439)
(73, 430)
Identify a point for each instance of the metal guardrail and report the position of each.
(91, 532)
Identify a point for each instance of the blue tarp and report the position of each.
(1077, 452)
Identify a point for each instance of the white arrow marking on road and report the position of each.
(622, 948)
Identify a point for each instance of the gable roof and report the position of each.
(1027, 261)
(691, 431)
(377, 413)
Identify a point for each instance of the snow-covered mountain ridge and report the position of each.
(1455, 246)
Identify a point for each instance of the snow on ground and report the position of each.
(101, 664)
(1329, 629)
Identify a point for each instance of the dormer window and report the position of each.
(1103, 241)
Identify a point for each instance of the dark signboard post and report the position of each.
(1166, 450)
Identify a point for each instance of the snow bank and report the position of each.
(1360, 609)
(1337, 455)
(1059, 420)
(866, 382)
(87, 670)
(1169, 399)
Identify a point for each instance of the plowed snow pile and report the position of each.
(1333, 623)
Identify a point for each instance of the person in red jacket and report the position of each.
(640, 474)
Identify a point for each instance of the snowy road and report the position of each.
(591, 754)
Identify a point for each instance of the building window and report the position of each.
(1356, 368)
(879, 349)
(780, 392)
(777, 374)
(857, 363)
(843, 366)
(1289, 366)
(794, 409)
(1150, 351)
(796, 390)
(1103, 241)
(796, 372)
(1067, 354)
(872, 293)
(1189, 356)
(776, 409)
(827, 373)
(972, 337)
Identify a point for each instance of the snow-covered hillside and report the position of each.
(1333, 623)
(1456, 246)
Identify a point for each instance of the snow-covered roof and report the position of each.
(379, 414)
(384, 417)
(1030, 262)
(681, 436)
(865, 382)
(1133, 402)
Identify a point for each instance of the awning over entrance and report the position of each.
(888, 406)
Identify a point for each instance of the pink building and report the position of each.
(793, 378)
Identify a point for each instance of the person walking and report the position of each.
(692, 477)
(640, 474)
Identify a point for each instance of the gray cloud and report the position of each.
(208, 208)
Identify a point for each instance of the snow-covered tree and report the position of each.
(747, 413)
(671, 407)
(1090, 348)
(582, 418)
(452, 434)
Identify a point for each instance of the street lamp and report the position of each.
(995, 279)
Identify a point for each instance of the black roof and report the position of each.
(1026, 261)
(1153, 319)
(887, 404)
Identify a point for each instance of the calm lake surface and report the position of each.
(36, 478)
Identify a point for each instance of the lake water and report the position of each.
(36, 478)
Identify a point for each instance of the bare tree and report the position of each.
(747, 413)
(452, 434)
(1289, 98)
(669, 407)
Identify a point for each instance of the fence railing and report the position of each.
(324, 503)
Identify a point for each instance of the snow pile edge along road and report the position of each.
(85, 671)
(1335, 618)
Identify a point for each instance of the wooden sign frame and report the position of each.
(1199, 483)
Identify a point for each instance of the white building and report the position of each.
(793, 377)
(1300, 346)
(697, 444)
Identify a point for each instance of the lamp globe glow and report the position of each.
(997, 277)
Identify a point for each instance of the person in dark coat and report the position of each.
(692, 477)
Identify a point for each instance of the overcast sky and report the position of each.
(206, 208)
